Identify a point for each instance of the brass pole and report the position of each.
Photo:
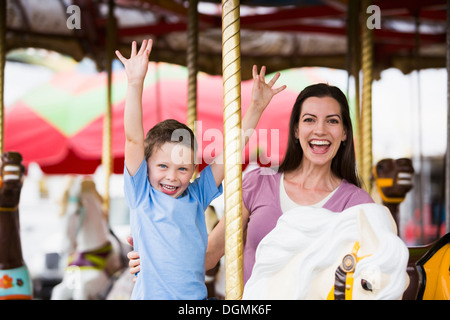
(366, 113)
(107, 159)
(231, 69)
(192, 65)
(355, 66)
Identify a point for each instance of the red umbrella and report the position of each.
(60, 125)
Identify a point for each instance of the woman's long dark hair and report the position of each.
(343, 164)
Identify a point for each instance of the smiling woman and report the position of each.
(320, 130)
(320, 124)
(319, 170)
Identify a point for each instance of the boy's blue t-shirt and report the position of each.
(170, 236)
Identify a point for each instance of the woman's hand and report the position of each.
(136, 66)
(135, 262)
(262, 92)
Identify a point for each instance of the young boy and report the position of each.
(167, 210)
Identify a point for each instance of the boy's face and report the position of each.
(170, 168)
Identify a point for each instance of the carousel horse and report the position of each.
(95, 254)
(429, 271)
(393, 180)
(15, 280)
(432, 265)
(428, 265)
(314, 253)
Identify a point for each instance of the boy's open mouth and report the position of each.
(168, 189)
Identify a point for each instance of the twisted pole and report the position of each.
(355, 66)
(366, 113)
(231, 70)
(107, 158)
(192, 65)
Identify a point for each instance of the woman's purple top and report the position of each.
(261, 196)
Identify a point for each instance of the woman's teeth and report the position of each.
(319, 142)
(319, 146)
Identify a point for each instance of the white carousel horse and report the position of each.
(313, 253)
(95, 256)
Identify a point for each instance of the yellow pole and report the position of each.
(107, 160)
(2, 70)
(366, 114)
(231, 69)
(192, 64)
(355, 56)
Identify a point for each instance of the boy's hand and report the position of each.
(262, 92)
(136, 69)
(136, 66)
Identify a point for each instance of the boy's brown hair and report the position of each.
(168, 131)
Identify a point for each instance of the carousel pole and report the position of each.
(366, 113)
(192, 65)
(231, 69)
(2, 70)
(107, 122)
(447, 155)
(419, 187)
(355, 66)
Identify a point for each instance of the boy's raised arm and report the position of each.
(136, 68)
(262, 94)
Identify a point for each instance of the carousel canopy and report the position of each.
(280, 34)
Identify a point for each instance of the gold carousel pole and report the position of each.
(355, 66)
(231, 69)
(366, 113)
(192, 65)
(2, 70)
(107, 134)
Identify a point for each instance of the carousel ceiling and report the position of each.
(280, 34)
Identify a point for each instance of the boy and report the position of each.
(167, 211)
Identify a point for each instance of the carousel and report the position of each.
(358, 254)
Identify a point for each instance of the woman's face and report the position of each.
(320, 130)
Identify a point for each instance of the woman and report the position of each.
(319, 169)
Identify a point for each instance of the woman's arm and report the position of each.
(134, 262)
